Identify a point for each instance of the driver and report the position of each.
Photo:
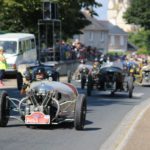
(40, 74)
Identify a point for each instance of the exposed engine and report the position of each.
(44, 99)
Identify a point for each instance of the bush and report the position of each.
(143, 51)
(115, 53)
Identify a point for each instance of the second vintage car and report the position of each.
(111, 77)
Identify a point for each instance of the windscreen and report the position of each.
(10, 47)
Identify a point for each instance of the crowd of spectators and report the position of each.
(77, 50)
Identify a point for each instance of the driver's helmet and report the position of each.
(40, 74)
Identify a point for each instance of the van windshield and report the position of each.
(10, 47)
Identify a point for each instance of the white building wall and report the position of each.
(93, 39)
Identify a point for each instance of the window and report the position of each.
(91, 36)
(121, 40)
(102, 36)
(112, 40)
(20, 47)
(10, 47)
(28, 44)
(23, 46)
(33, 43)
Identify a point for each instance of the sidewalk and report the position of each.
(140, 137)
(133, 133)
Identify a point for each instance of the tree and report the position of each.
(138, 13)
(22, 16)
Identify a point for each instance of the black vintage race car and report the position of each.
(51, 73)
(45, 103)
(110, 78)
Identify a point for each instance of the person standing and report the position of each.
(3, 66)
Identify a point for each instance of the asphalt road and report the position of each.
(104, 114)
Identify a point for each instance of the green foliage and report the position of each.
(139, 13)
(141, 40)
(115, 53)
(20, 16)
(23, 15)
(143, 51)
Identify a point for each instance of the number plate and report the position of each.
(37, 118)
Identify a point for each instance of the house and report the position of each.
(104, 36)
(118, 38)
(94, 35)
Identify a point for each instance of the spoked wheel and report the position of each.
(130, 87)
(83, 82)
(4, 109)
(19, 81)
(89, 85)
(80, 112)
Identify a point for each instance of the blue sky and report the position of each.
(102, 11)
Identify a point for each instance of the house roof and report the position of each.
(104, 25)
(95, 25)
(131, 47)
(113, 29)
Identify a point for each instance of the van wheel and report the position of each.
(19, 81)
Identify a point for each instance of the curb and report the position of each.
(120, 136)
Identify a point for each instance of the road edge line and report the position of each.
(118, 139)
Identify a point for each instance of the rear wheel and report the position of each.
(4, 109)
(80, 112)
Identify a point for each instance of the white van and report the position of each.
(19, 48)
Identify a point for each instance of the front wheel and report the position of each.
(130, 87)
(4, 109)
(80, 112)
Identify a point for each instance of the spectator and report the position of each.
(3, 66)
